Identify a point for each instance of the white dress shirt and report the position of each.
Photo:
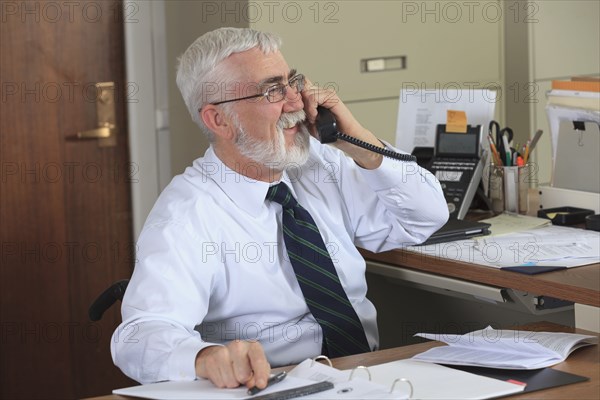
(212, 266)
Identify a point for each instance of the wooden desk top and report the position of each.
(584, 362)
(579, 285)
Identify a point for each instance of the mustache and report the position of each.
(287, 120)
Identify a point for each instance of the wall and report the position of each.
(563, 38)
(185, 22)
(523, 50)
(446, 46)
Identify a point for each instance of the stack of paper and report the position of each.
(511, 223)
(548, 246)
(504, 349)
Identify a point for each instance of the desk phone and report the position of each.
(457, 165)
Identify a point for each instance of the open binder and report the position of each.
(308, 380)
(347, 384)
(402, 379)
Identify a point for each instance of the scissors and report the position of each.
(497, 134)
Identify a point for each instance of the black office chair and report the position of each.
(115, 292)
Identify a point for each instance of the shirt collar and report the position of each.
(247, 194)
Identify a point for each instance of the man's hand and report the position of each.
(314, 96)
(237, 363)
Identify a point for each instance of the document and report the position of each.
(548, 246)
(505, 349)
(432, 381)
(557, 113)
(420, 111)
(511, 223)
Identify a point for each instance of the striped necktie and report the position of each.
(343, 333)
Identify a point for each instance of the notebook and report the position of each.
(458, 229)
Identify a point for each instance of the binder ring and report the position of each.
(317, 358)
(410, 393)
(360, 367)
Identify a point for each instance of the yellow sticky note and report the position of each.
(456, 121)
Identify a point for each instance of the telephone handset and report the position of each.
(328, 133)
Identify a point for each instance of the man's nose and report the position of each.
(292, 101)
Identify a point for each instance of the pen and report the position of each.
(272, 380)
(526, 153)
(495, 155)
(506, 150)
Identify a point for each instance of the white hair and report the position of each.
(198, 67)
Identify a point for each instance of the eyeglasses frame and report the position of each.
(265, 94)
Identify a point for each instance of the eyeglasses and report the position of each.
(276, 92)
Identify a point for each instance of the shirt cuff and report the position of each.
(182, 361)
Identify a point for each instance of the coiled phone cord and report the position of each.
(328, 133)
(376, 149)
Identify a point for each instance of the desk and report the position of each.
(585, 362)
(579, 285)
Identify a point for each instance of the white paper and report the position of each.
(545, 246)
(358, 388)
(560, 113)
(511, 223)
(431, 381)
(420, 111)
(506, 349)
(202, 389)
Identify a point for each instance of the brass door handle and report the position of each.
(106, 132)
(98, 133)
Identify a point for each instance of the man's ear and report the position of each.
(216, 120)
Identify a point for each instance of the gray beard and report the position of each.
(273, 154)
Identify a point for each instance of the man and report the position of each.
(221, 289)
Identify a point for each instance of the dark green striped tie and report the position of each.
(343, 332)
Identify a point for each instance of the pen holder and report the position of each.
(509, 188)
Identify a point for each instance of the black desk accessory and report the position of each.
(535, 379)
(565, 215)
(458, 167)
(592, 222)
(458, 229)
(424, 155)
